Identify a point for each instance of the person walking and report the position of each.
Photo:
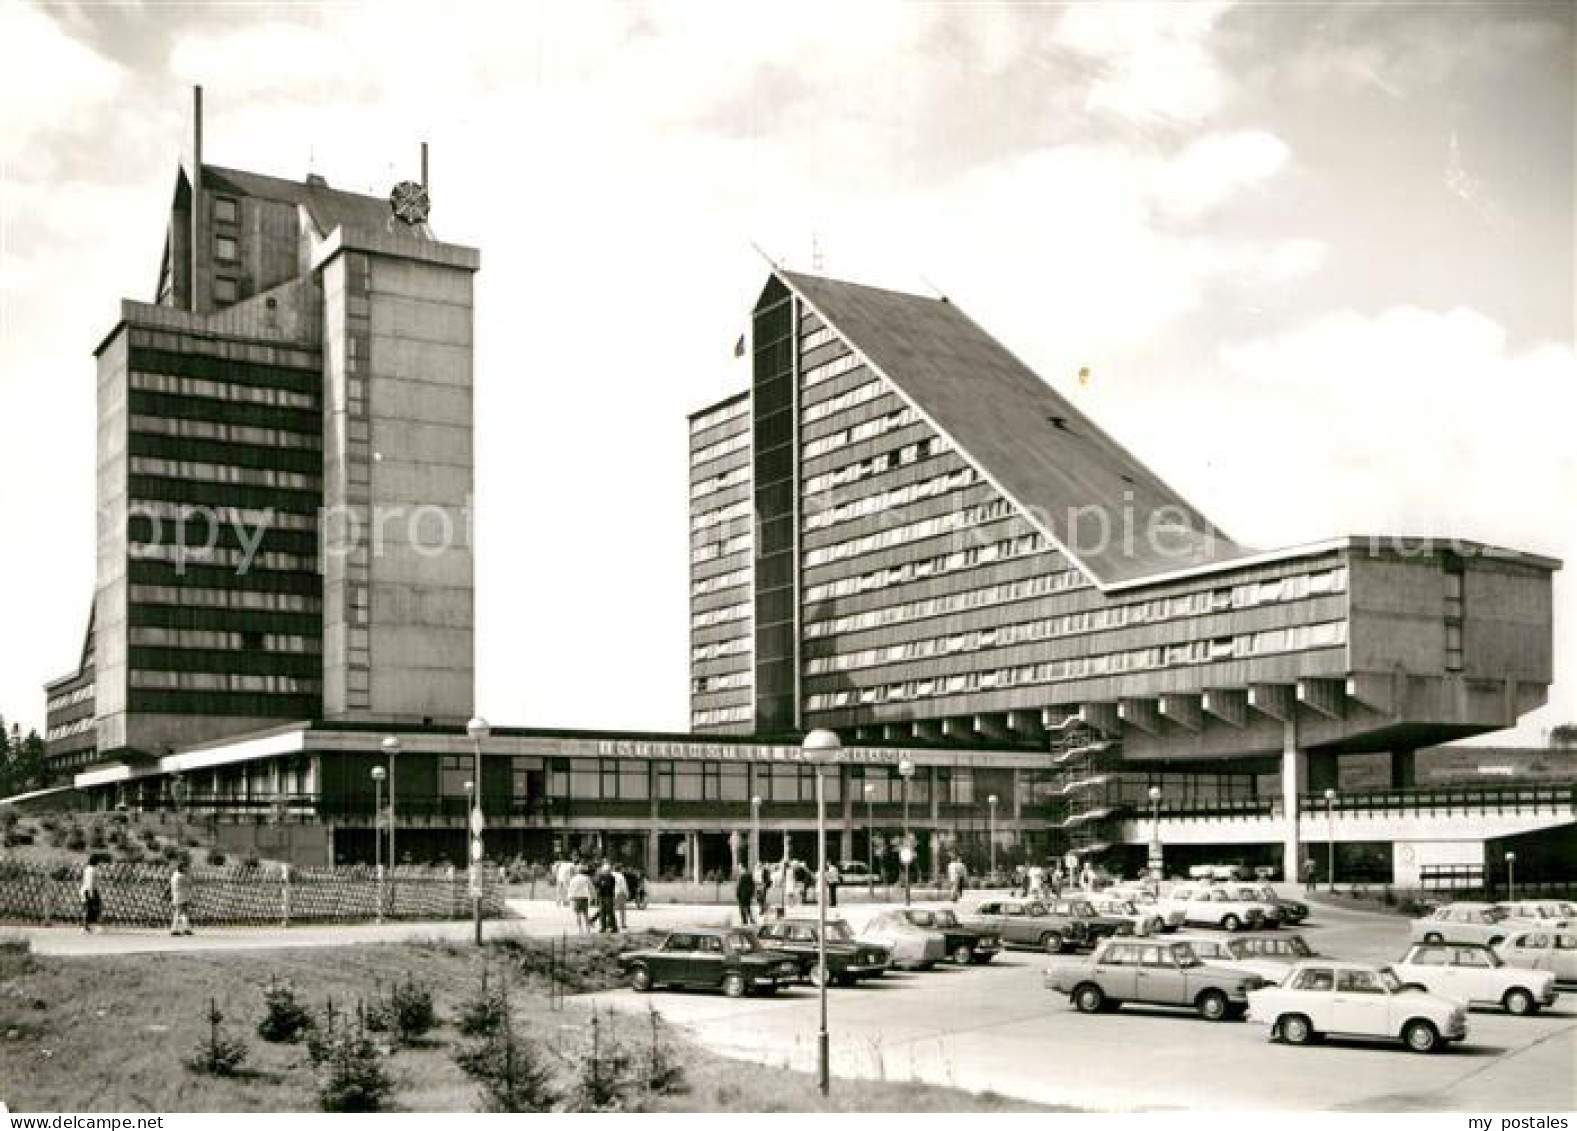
(1309, 868)
(563, 872)
(745, 896)
(956, 875)
(621, 897)
(832, 879)
(763, 886)
(92, 901)
(180, 901)
(1037, 881)
(578, 892)
(607, 917)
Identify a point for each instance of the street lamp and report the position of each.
(1511, 875)
(906, 853)
(478, 729)
(991, 834)
(870, 837)
(1330, 841)
(819, 748)
(377, 833)
(755, 832)
(1155, 833)
(391, 748)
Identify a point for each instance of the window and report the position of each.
(225, 289)
(226, 210)
(1470, 956)
(710, 944)
(1315, 979)
(225, 249)
(1357, 982)
(1431, 956)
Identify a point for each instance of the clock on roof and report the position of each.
(409, 203)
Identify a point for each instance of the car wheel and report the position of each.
(1232, 923)
(817, 974)
(640, 979)
(734, 985)
(1295, 1029)
(1088, 998)
(1434, 937)
(1213, 1005)
(1519, 1002)
(963, 954)
(1420, 1036)
(1052, 943)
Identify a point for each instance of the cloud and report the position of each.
(1156, 63)
(50, 83)
(1216, 168)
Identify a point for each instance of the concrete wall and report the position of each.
(1507, 614)
(110, 659)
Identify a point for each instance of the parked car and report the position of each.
(1293, 911)
(1096, 925)
(1463, 923)
(1146, 921)
(1534, 948)
(908, 946)
(1216, 872)
(1476, 975)
(1152, 972)
(1209, 906)
(1321, 997)
(1271, 910)
(1537, 912)
(1269, 956)
(1029, 922)
(1146, 899)
(848, 960)
(855, 872)
(710, 958)
(965, 945)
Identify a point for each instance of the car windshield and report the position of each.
(1081, 910)
(1186, 958)
(1389, 980)
(838, 931)
(1238, 948)
(740, 942)
(1297, 946)
(1493, 914)
(945, 919)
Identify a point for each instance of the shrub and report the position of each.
(216, 858)
(190, 841)
(76, 839)
(605, 1075)
(170, 853)
(481, 1015)
(132, 854)
(411, 1011)
(284, 1018)
(663, 1072)
(96, 836)
(351, 1076)
(14, 837)
(149, 837)
(250, 860)
(9, 817)
(512, 1073)
(217, 1054)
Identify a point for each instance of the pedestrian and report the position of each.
(92, 901)
(578, 893)
(956, 875)
(180, 901)
(798, 878)
(1037, 881)
(1308, 874)
(607, 917)
(763, 886)
(1021, 879)
(745, 896)
(563, 872)
(621, 897)
(832, 879)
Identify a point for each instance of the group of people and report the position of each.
(796, 881)
(92, 898)
(600, 896)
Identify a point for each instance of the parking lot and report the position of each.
(998, 1028)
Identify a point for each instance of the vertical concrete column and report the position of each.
(1294, 780)
(651, 853)
(846, 837)
(695, 855)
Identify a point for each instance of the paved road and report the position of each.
(998, 1028)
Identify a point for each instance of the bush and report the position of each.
(250, 860)
(190, 841)
(605, 1076)
(149, 837)
(284, 1018)
(511, 1072)
(170, 853)
(411, 1011)
(14, 837)
(76, 839)
(481, 1015)
(216, 858)
(96, 836)
(217, 1054)
(350, 1072)
(9, 817)
(132, 854)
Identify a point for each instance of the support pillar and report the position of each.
(652, 855)
(1404, 773)
(846, 787)
(1294, 782)
(694, 840)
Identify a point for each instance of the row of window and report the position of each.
(730, 478)
(877, 464)
(718, 716)
(224, 349)
(725, 682)
(230, 433)
(827, 370)
(817, 337)
(1007, 549)
(67, 730)
(156, 636)
(865, 430)
(721, 416)
(194, 596)
(251, 518)
(222, 390)
(855, 396)
(729, 580)
(704, 519)
(724, 615)
(721, 448)
(937, 485)
(227, 556)
(225, 681)
(70, 699)
(718, 649)
(713, 550)
(951, 603)
(224, 473)
(940, 524)
(1328, 635)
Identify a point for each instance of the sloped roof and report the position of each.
(329, 208)
(1020, 433)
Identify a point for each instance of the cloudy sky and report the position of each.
(1318, 260)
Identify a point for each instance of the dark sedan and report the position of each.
(848, 960)
(711, 958)
(1096, 925)
(965, 945)
(1029, 922)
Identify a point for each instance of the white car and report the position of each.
(910, 947)
(1147, 900)
(1146, 921)
(1476, 975)
(1208, 906)
(1321, 997)
(1463, 923)
(1269, 956)
(1275, 915)
(1538, 913)
(1534, 948)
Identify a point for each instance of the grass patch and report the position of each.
(111, 1033)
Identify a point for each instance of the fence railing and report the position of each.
(1449, 801)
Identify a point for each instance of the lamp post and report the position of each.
(819, 748)
(391, 748)
(991, 834)
(755, 832)
(1511, 875)
(870, 836)
(1330, 840)
(906, 853)
(1155, 833)
(377, 833)
(478, 729)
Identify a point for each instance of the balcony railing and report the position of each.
(1447, 801)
